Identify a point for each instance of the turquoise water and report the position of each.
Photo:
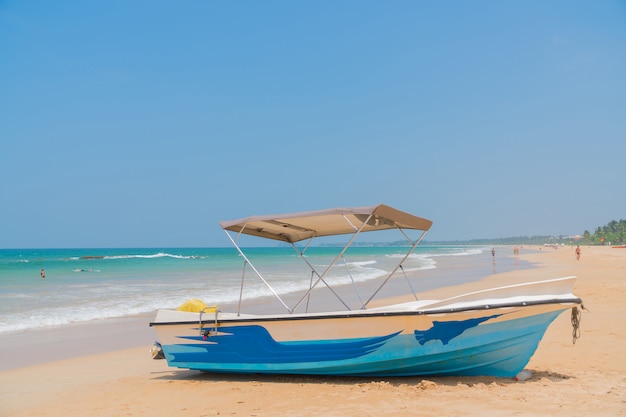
(87, 284)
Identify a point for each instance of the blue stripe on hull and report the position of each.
(499, 349)
(253, 344)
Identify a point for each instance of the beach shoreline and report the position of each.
(47, 344)
(567, 379)
(28, 348)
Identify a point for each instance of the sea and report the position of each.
(81, 285)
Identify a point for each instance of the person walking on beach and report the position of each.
(578, 252)
(43, 273)
(493, 253)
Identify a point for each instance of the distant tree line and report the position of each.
(515, 240)
(614, 232)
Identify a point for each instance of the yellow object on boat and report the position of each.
(195, 306)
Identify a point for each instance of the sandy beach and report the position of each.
(581, 379)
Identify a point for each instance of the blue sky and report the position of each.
(144, 123)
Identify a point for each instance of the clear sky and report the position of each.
(143, 123)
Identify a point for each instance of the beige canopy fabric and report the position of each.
(337, 221)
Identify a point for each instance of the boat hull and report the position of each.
(490, 341)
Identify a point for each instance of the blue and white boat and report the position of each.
(491, 332)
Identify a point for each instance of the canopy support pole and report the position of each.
(257, 272)
(413, 246)
(320, 277)
(243, 275)
(339, 256)
(356, 290)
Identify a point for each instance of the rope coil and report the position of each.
(576, 317)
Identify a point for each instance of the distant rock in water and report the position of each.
(92, 257)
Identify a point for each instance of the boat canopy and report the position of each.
(296, 227)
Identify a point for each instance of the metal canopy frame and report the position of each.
(320, 275)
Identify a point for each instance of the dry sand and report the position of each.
(582, 379)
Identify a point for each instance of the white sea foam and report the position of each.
(125, 288)
(464, 252)
(152, 256)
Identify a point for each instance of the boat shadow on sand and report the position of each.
(423, 382)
